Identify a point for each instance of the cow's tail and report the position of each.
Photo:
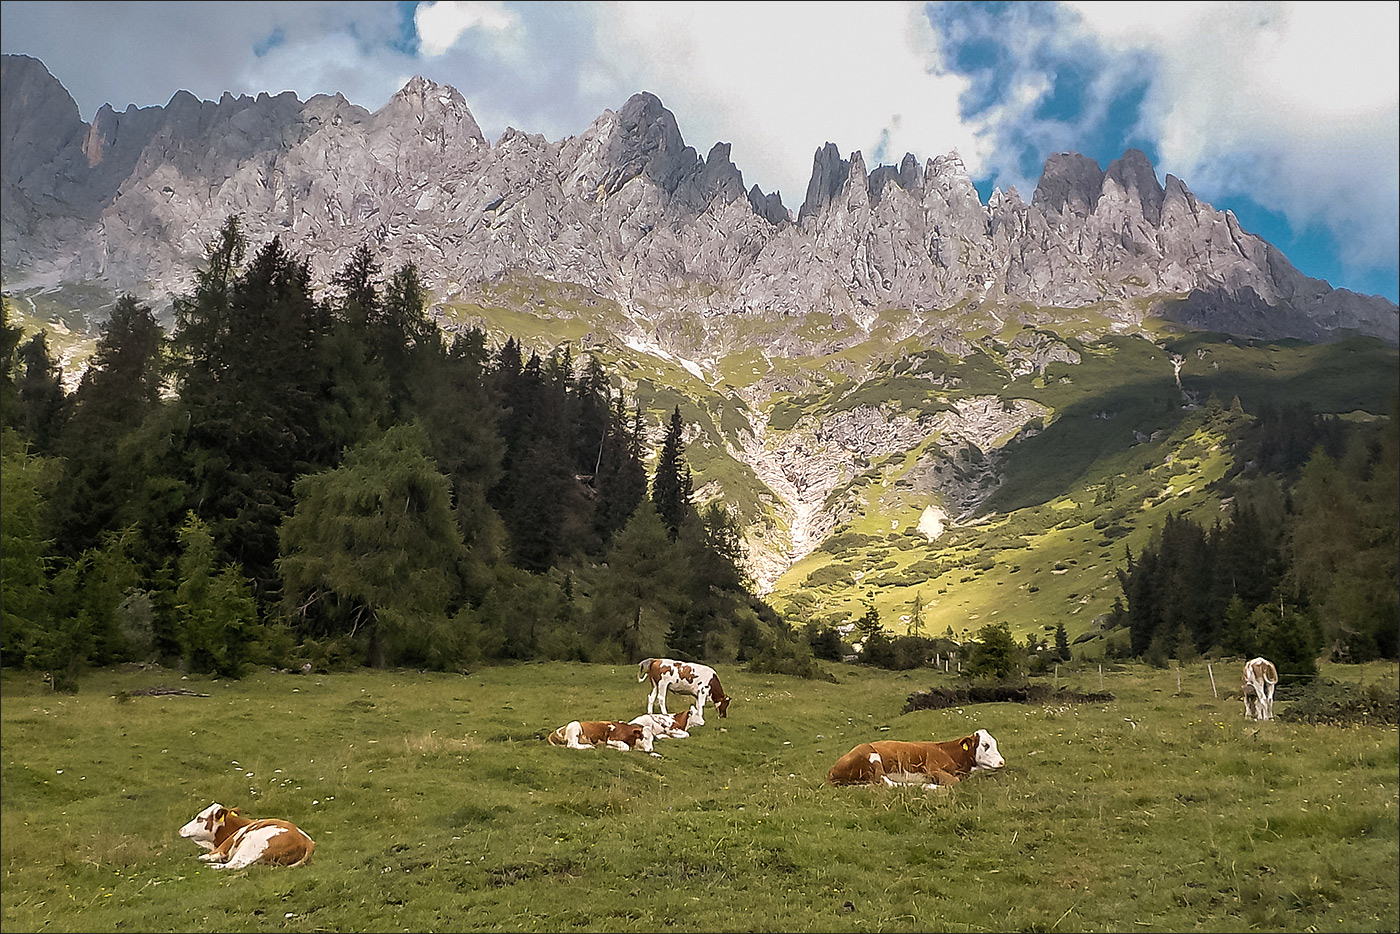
(643, 669)
(557, 738)
(305, 857)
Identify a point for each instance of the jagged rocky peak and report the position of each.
(829, 175)
(38, 118)
(1070, 185)
(719, 177)
(646, 139)
(1134, 175)
(432, 106)
(769, 207)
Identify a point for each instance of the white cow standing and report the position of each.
(1260, 676)
(699, 681)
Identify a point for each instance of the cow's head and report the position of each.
(204, 828)
(632, 734)
(717, 695)
(983, 747)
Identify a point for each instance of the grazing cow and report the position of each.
(1260, 676)
(699, 681)
(235, 842)
(664, 724)
(892, 762)
(585, 734)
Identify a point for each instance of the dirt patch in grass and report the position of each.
(938, 698)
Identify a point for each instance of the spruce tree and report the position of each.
(670, 490)
(43, 405)
(120, 390)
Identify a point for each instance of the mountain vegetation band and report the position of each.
(290, 480)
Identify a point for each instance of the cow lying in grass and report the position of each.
(614, 734)
(235, 842)
(658, 725)
(892, 762)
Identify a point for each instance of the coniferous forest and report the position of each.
(293, 481)
(289, 481)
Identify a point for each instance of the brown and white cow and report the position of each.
(664, 724)
(614, 734)
(1260, 676)
(235, 841)
(699, 681)
(893, 762)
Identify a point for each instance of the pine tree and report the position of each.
(10, 337)
(119, 391)
(994, 654)
(621, 479)
(43, 406)
(639, 594)
(253, 397)
(670, 491)
(372, 550)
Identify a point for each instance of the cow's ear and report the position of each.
(966, 743)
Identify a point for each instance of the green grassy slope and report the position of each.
(436, 806)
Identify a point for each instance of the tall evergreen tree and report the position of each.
(43, 405)
(253, 396)
(640, 594)
(10, 336)
(372, 550)
(621, 479)
(671, 484)
(26, 484)
(120, 390)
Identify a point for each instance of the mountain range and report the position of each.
(892, 332)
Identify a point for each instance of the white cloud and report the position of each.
(442, 23)
(1293, 105)
(779, 86)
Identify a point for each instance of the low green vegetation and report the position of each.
(436, 805)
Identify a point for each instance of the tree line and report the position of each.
(1304, 564)
(292, 480)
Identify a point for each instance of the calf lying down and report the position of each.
(658, 725)
(235, 842)
(614, 734)
(892, 762)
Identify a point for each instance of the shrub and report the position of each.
(1323, 700)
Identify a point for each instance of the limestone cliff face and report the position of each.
(691, 264)
(627, 210)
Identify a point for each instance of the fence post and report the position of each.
(1100, 677)
(1178, 677)
(1057, 677)
(1213, 692)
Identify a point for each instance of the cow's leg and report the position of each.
(220, 853)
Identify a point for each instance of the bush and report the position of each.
(1341, 703)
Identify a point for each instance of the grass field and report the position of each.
(436, 805)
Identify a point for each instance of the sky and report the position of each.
(1287, 114)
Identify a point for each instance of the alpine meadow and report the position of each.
(347, 456)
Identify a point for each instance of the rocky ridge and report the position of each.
(626, 214)
(629, 211)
